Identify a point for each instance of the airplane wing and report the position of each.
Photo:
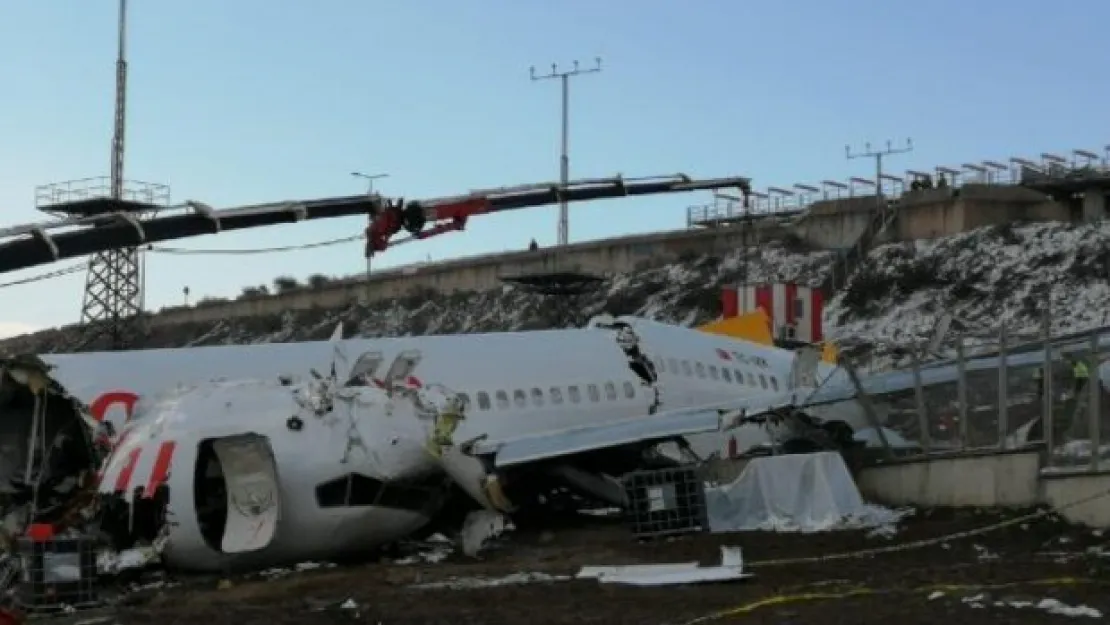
(658, 427)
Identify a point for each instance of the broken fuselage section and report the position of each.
(252, 473)
(48, 457)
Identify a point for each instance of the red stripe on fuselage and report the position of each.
(161, 469)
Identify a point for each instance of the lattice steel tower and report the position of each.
(113, 300)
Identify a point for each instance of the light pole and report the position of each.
(369, 178)
(878, 156)
(564, 160)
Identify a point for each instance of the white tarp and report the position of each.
(793, 493)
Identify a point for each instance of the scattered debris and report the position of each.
(514, 579)
(435, 549)
(1049, 605)
(730, 569)
(481, 527)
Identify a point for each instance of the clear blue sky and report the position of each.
(244, 101)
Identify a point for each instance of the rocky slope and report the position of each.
(987, 276)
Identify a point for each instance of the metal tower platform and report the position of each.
(113, 301)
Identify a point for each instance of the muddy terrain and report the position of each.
(1032, 571)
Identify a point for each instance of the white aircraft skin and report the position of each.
(271, 471)
(513, 384)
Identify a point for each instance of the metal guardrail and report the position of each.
(798, 199)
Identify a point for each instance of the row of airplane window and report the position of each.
(683, 367)
(554, 395)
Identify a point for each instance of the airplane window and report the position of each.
(556, 395)
(574, 395)
(465, 399)
(739, 377)
(700, 368)
(713, 372)
(751, 379)
(774, 383)
(673, 362)
(686, 368)
(726, 374)
(762, 381)
(502, 400)
(610, 391)
(661, 365)
(483, 400)
(520, 399)
(537, 397)
(595, 395)
(629, 390)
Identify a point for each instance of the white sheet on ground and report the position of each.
(793, 493)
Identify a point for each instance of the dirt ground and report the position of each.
(974, 579)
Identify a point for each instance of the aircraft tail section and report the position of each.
(754, 327)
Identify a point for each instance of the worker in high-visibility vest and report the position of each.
(1080, 375)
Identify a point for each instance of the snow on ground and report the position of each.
(986, 276)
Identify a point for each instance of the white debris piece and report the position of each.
(1053, 606)
(479, 528)
(730, 569)
(468, 583)
(112, 562)
(795, 493)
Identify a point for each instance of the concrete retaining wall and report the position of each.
(990, 479)
(829, 224)
(928, 214)
(479, 273)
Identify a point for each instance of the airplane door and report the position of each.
(253, 500)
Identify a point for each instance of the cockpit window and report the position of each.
(356, 490)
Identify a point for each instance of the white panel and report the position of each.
(253, 503)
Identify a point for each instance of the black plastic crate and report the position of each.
(666, 501)
(57, 572)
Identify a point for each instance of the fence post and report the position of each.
(1047, 420)
(961, 392)
(1094, 410)
(1003, 390)
(919, 396)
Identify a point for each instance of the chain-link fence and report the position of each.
(998, 394)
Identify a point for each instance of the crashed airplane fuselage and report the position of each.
(253, 473)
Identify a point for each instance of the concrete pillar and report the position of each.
(1094, 205)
